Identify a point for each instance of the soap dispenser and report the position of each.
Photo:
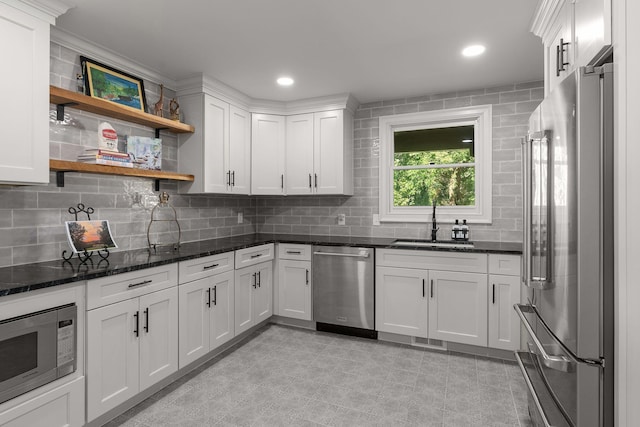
(464, 228)
(455, 231)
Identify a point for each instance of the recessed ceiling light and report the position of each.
(467, 140)
(474, 50)
(285, 81)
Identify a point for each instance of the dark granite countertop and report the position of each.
(30, 277)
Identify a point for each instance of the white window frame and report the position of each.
(480, 116)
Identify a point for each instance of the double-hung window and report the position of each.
(440, 158)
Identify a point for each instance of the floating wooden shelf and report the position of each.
(66, 98)
(62, 166)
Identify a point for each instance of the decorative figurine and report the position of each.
(158, 106)
(174, 110)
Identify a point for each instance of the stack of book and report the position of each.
(100, 156)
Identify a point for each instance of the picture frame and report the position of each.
(89, 236)
(105, 82)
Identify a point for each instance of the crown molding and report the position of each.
(47, 10)
(103, 54)
(546, 13)
(204, 84)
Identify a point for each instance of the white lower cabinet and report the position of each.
(504, 291)
(206, 319)
(294, 289)
(253, 295)
(458, 307)
(131, 345)
(449, 296)
(61, 407)
(401, 301)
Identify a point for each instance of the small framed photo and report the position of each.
(105, 82)
(89, 236)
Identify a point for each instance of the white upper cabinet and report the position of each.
(267, 154)
(218, 152)
(573, 33)
(239, 150)
(592, 28)
(299, 178)
(332, 153)
(319, 154)
(24, 114)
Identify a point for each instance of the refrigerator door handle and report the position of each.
(532, 391)
(541, 140)
(559, 363)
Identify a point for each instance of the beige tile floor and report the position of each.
(283, 376)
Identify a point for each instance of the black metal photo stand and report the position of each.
(85, 255)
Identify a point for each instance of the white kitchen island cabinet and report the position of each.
(132, 340)
(218, 153)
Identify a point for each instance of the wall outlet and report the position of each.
(240, 218)
(376, 219)
(342, 219)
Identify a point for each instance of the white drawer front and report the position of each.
(198, 268)
(294, 251)
(432, 260)
(508, 265)
(254, 255)
(120, 287)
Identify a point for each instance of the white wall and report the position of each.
(626, 14)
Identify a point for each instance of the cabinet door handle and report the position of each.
(494, 294)
(307, 276)
(145, 282)
(423, 289)
(146, 320)
(309, 180)
(557, 60)
(560, 51)
(315, 180)
(208, 297)
(259, 279)
(136, 330)
(282, 181)
(215, 295)
(255, 280)
(207, 267)
(228, 178)
(233, 178)
(431, 288)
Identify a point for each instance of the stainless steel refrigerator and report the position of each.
(567, 361)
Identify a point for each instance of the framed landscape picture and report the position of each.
(89, 236)
(105, 82)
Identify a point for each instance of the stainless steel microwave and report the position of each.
(37, 348)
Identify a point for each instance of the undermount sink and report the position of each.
(431, 244)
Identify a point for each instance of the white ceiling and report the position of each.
(373, 49)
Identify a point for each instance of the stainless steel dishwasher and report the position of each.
(343, 290)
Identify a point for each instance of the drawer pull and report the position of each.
(207, 267)
(294, 252)
(145, 282)
(256, 256)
